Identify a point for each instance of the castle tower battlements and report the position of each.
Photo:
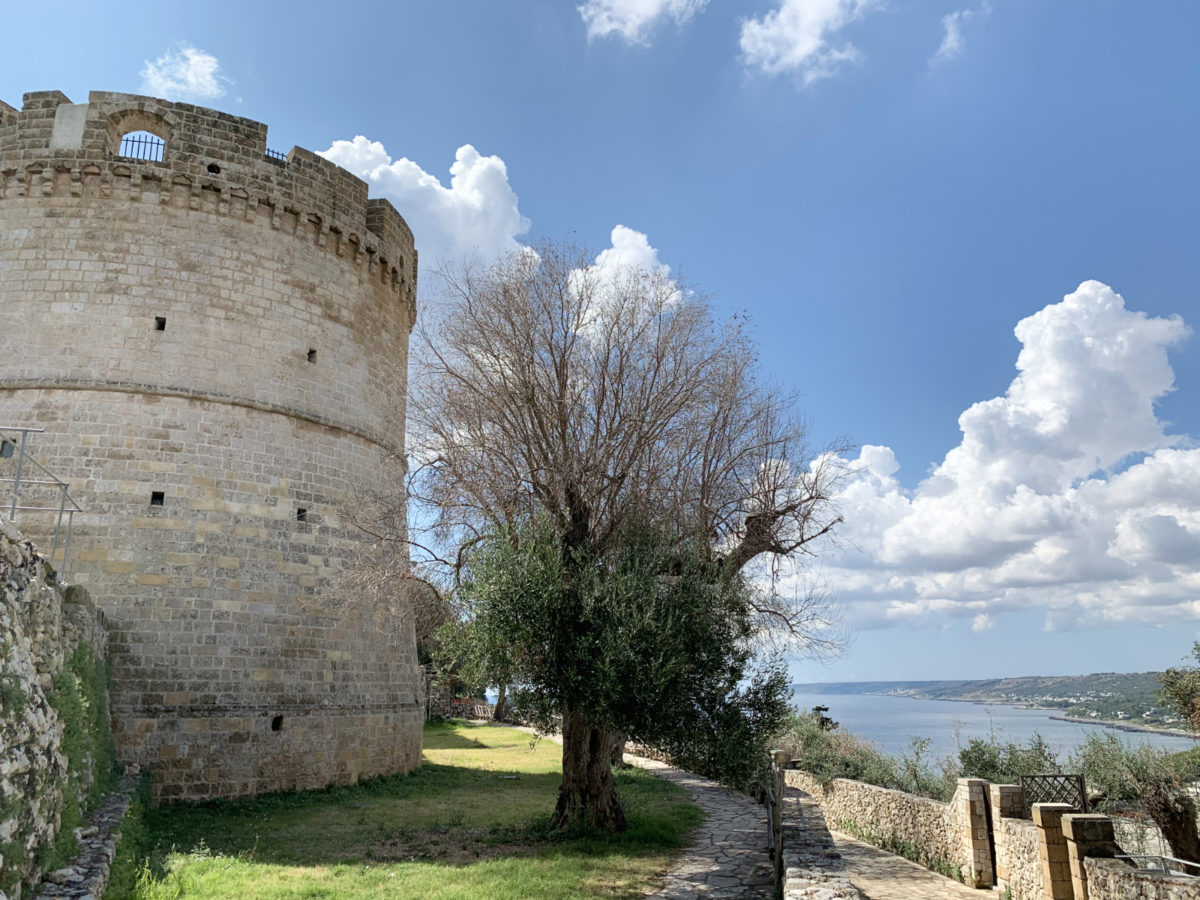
(215, 339)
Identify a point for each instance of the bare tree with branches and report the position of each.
(550, 387)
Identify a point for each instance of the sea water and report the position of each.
(892, 722)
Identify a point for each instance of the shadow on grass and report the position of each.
(442, 736)
(440, 815)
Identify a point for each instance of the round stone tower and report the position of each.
(214, 337)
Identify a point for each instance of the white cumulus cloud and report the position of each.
(982, 622)
(184, 73)
(799, 36)
(630, 249)
(953, 41)
(476, 216)
(1065, 494)
(635, 20)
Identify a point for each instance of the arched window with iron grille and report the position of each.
(142, 145)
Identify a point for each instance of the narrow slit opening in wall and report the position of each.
(160, 323)
(312, 355)
(301, 514)
(276, 723)
(156, 498)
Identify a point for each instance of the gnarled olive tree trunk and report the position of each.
(588, 793)
(501, 708)
(1175, 814)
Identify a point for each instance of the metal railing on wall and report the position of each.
(43, 484)
(1168, 865)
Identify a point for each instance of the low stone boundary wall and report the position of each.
(42, 626)
(87, 875)
(1060, 855)
(1111, 879)
(950, 838)
(1018, 866)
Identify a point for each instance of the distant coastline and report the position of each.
(1104, 699)
(1117, 724)
(1129, 726)
(891, 720)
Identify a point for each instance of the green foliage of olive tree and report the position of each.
(643, 641)
(1148, 779)
(1181, 690)
(1005, 762)
(597, 401)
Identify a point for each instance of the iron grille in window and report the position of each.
(143, 145)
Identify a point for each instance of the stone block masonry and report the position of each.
(1111, 879)
(41, 628)
(1018, 857)
(215, 343)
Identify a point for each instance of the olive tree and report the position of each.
(645, 640)
(596, 402)
(1180, 690)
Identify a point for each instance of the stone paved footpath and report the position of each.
(829, 864)
(727, 859)
(880, 875)
(728, 854)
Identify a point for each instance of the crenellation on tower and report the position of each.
(203, 148)
(213, 341)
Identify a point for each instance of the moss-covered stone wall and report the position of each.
(56, 749)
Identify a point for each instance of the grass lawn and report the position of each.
(471, 823)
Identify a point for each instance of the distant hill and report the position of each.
(1104, 696)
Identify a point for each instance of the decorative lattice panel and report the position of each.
(1059, 788)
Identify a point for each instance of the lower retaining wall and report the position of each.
(55, 746)
(950, 838)
(1110, 879)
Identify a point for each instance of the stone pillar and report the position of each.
(1052, 848)
(1008, 802)
(1086, 835)
(972, 795)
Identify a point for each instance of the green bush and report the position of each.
(830, 754)
(1005, 763)
(1147, 779)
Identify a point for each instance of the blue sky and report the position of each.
(887, 188)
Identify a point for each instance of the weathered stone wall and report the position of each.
(1018, 866)
(1110, 879)
(216, 345)
(938, 835)
(41, 627)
